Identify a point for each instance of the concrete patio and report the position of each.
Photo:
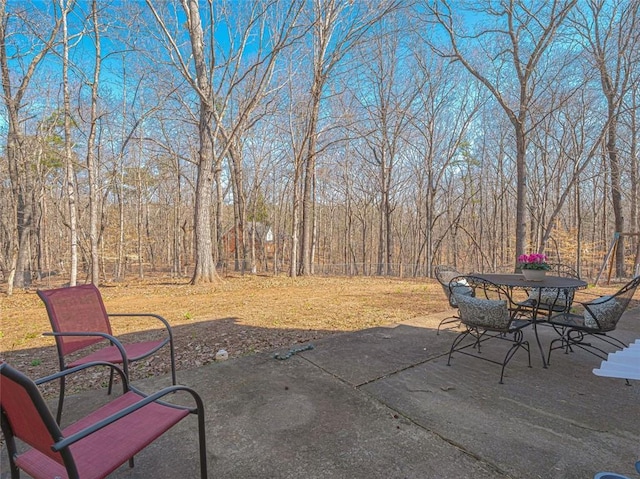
(382, 403)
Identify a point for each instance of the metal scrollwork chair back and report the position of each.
(550, 300)
(444, 275)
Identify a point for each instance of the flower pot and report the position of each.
(534, 274)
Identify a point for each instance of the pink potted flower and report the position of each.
(534, 266)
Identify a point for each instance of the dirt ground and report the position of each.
(241, 314)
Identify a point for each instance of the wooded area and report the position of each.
(366, 137)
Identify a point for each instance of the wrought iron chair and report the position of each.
(487, 315)
(97, 444)
(599, 319)
(550, 300)
(444, 275)
(79, 320)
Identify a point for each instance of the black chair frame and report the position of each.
(511, 332)
(444, 274)
(573, 332)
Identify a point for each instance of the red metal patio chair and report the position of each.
(97, 444)
(79, 320)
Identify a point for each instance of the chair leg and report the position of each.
(452, 319)
(551, 348)
(563, 339)
(478, 335)
(15, 471)
(519, 343)
(456, 342)
(110, 382)
(173, 363)
(60, 400)
(10, 444)
(615, 342)
(578, 338)
(202, 442)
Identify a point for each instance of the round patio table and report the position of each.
(518, 281)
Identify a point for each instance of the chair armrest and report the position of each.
(73, 438)
(58, 375)
(109, 337)
(149, 315)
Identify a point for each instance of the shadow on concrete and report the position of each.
(196, 345)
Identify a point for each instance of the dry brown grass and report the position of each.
(242, 314)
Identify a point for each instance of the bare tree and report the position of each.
(389, 89)
(337, 27)
(440, 134)
(566, 147)
(610, 34)
(65, 8)
(634, 174)
(44, 39)
(215, 94)
(92, 170)
(515, 35)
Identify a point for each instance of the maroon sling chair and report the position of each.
(94, 446)
(79, 320)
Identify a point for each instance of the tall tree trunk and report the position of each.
(308, 201)
(69, 168)
(139, 213)
(92, 170)
(237, 231)
(521, 188)
(218, 252)
(635, 187)
(635, 164)
(389, 230)
(24, 225)
(121, 256)
(295, 220)
(205, 268)
(177, 214)
(616, 195)
(240, 205)
(205, 271)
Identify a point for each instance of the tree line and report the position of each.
(316, 136)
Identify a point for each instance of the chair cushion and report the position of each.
(548, 297)
(606, 309)
(483, 313)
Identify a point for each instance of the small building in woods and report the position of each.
(261, 233)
